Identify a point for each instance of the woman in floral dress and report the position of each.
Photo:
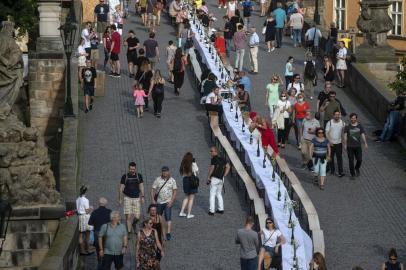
(147, 246)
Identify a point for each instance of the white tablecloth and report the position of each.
(262, 176)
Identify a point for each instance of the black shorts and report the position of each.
(132, 57)
(89, 52)
(109, 259)
(114, 57)
(143, 10)
(88, 90)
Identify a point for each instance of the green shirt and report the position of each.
(114, 238)
(273, 94)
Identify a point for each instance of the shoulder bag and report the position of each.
(157, 194)
(189, 41)
(194, 181)
(310, 43)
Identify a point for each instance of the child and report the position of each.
(139, 95)
(94, 44)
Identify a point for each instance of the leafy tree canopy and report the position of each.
(24, 14)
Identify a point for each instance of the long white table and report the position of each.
(262, 176)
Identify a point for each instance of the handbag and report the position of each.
(189, 41)
(194, 181)
(157, 194)
(264, 30)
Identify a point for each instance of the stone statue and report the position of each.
(374, 21)
(11, 69)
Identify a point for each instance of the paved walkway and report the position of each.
(361, 219)
(111, 136)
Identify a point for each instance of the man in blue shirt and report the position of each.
(246, 81)
(247, 8)
(280, 17)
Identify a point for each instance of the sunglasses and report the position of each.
(320, 132)
(393, 259)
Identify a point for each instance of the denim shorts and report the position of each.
(270, 250)
(165, 211)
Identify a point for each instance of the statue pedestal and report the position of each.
(381, 54)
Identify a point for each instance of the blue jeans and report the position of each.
(164, 210)
(249, 264)
(297, 36)
(390, 126)
(229, 47)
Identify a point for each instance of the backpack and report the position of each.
(246, 10)
(177, 64)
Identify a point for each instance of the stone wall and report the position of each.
(46, 91)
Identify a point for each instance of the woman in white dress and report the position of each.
(272, 240)
(81, 56)
(231, 7)
(341, 65)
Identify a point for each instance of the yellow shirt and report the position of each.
(346, 41)
(198, 3)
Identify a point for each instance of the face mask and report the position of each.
(300, 99)
(283, 98)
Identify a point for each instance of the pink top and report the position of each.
(139, 93)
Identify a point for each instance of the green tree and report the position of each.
(399, 84)
(24, 14)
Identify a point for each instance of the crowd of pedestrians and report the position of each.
(321, 133)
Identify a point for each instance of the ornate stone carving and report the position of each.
(11, 69)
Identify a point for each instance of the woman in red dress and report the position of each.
(267, 136)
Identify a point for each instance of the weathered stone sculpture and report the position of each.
(375, 23)
(11, 69)
(25, 175)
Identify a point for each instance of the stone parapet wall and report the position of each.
(46, 92)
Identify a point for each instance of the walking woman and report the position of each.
(282, 118)
(107, 45)
(179, 64)
(189, 170)
(341, 65)
(328, 69)
(318, 262)
(310, 79)
(272, 240)
(156, 89)
(157, 221)
(148, 247)
(320, 151)
(289, 71)
(263, 7)
(270, 24)
(143, 77)
(272, 93)
(300, 109)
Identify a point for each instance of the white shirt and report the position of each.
(334, 131)
(254, 40)
(81, 50)
(284, 105)
(82, 203)
(269, 238)
(113, 4)
(231, 6)
(298, 86)
(210, 96)
(312, 124)
(342, 52)
(166, 193)
(86, 36)
(296, 21)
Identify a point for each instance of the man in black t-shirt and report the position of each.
(218, 169)
(228, 35)
(132, 45)
(101, 13)
(88, 76)
(131, 190)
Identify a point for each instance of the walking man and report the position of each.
(353, 133)
(253, 44)
(228, 35)
(248, 240)
(334, 133)
(88, 77)
(163, 194)
(240, 42)
(132, 194)
(151, 49)
(329, 106)
(218, 169)
(296, 22)
(99, 217)
(309, 126)
(280, 17)
(101, 13)
(83, 209)
(114, 52)
(113, 242)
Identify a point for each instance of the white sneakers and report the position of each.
(181, 214)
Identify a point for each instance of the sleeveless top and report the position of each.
(157, 226)
(158, 88)
(391, 266)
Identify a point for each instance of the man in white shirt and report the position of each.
(309, 126)
(297, 84)
(86, 36)
(83, 210)
(312, 37)
(296, 22)
(253, 44)
(334, 133)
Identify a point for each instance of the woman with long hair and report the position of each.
(310, 78)
(157, 221)
(188, 169)
(269, 25)
(148, 247)
(156, 89)
(321, 152)
(178, 70)
(272, 93)
(328, 69)
(143, 77)
(272, 240)
(392, 263)
(318, 262)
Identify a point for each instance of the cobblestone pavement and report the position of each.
(361, 219)
(111, 136)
